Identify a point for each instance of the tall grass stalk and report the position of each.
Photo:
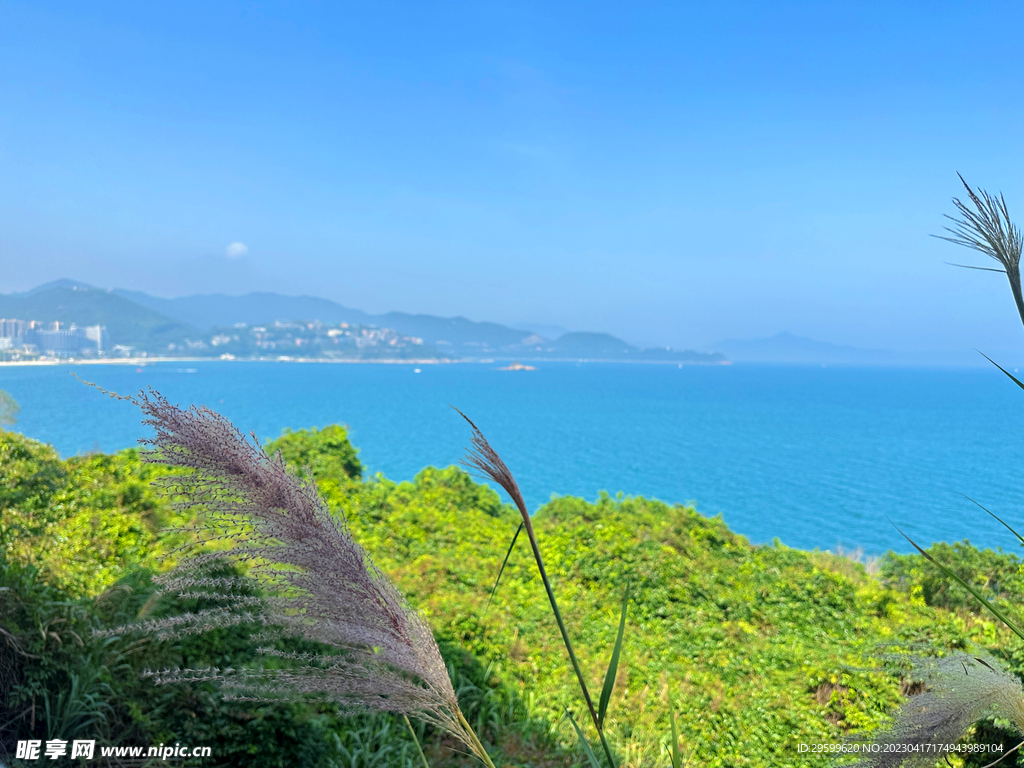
(319, 583)
(486, 460)
(987, 228)
(961, 688)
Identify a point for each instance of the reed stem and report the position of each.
(478, 747)
(415, 739)
(565, 633)
(484, 458)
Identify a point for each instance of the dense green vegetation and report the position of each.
(762, 647)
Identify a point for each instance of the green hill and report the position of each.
(127, 323)
(761, 648)
(153, 324)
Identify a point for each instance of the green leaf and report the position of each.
(676, 761)
(583, 740)
(1016, 381)
(613, 665)
(503, 563)
(998, 614)
(1019, 537)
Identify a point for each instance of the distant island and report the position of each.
(67, 319)
(788, 348)
(517, 366)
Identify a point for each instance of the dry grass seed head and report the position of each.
(959, 690)
(319, 583)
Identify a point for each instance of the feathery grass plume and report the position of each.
(987, 228)
(486, 460)
(319, 583)
(960, 690)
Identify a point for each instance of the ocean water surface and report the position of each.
(816, 457)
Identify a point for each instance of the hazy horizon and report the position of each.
(672, 176)
(779, 347)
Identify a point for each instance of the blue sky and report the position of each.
(674, 174)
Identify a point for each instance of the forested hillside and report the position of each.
(758, 649)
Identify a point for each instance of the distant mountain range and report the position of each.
(788, 348)
(157, 325)
(127, 322)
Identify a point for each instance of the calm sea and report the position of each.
(817, 457)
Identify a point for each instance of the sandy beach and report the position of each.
(142, 361)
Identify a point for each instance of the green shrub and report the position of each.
(764, 646)
(995, 573)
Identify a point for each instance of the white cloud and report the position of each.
(237, 250)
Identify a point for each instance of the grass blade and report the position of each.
(978, 596)
(613, 665)
(583, 740)
(971, 266)
(1021, 538)
(676, 760)
(1016, 381)
(503, 564)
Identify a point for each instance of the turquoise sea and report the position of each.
(817, 457)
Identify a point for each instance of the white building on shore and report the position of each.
(52, 339)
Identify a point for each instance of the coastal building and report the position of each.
(12, 329)
(53, 339)
(95, 333)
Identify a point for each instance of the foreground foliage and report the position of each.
(763, 648)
